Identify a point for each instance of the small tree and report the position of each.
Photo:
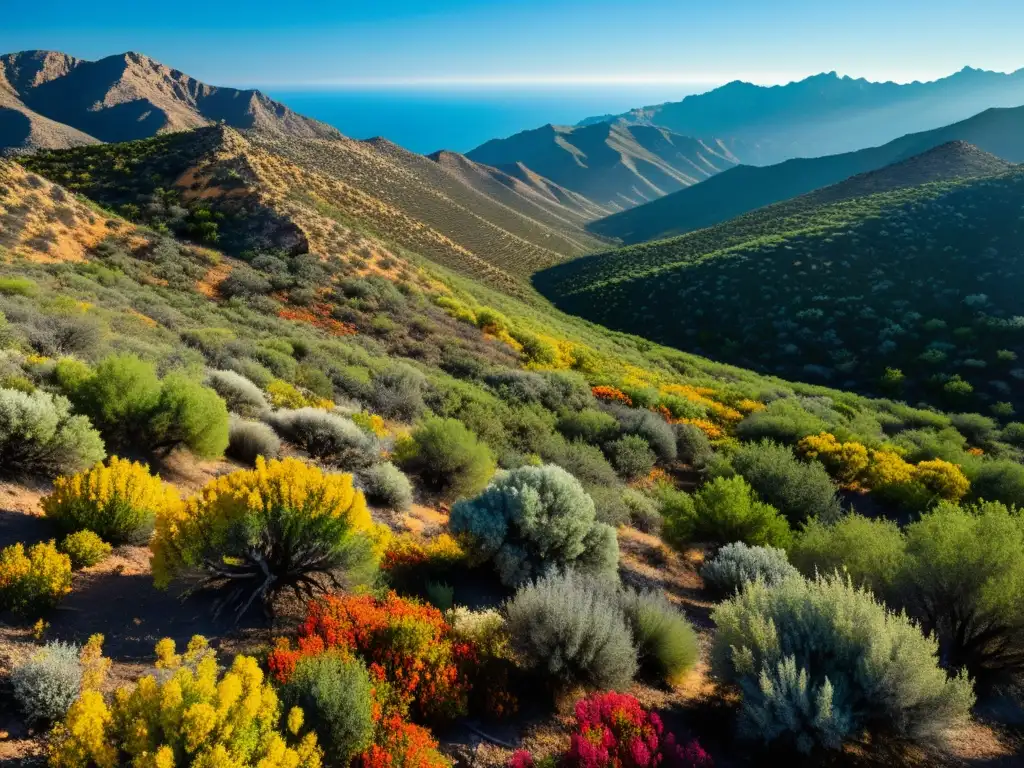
(536, 519)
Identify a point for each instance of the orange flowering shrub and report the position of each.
(405, 643)
(401, 744)
(611, 395)
(712, 430)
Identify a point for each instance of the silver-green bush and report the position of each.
(385, 485)
(47, 684)
(533, 520)
(327, 437)
(249, 439)
(736, 564)
(241, 395)
(573, 630)
(819, 662)
(40, 436)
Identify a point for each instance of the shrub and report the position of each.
(84, 548)
(327, 437)
(385, 485)
(644, 514)
(999, 480)
(573, 631)
(35, 582)
(584, 462)
(655, 431)
(734, 565)
(241, 395)
(248, 440)
(721, 512)
(1013, 434)
(187, 708)
(590, 425)
(820, 662)
(406, 644)
(693, 446)
(613, 730)
(46, 685)
(448, 457)
(846, 462)
(402, 744)
(284, 524)
(535, 519)
(870, 552)
(799, 490)
(39, 436)
(190, 415)
(398, 393)
(665, 641)
(412, 562)
(783, 421)
(963, 577)
(336, 696)
(631, 456)
(495, 664)
(119, 502)
(120, 397)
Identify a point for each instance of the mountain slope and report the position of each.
(615, 165)
(827, 114)
(834, 287)
(744, 188)
(51, 100)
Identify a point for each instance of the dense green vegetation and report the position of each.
(910, 293)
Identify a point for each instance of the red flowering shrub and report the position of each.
(611, 394)
(405, 643)
(400, 744)
(614, 731)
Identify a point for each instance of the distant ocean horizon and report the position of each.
(426, 119)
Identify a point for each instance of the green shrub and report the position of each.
(654, 430)
(570, 630)
(979, 430)
(631, 456)
(119, 397)
(963, 577)
(249, 439)
(589, 425)
(869, 551)
(693, 446)
(239, 394)
(583, 461)
(819, 663)
(47, 684)
(17, 286)
(736, 564)
(1013, 434)
(721, 512)
(69, 373)
(385, 485)
(783, 421)
(84, 548)
(666, 643)
(798, 489)
(998, 480)
(536, 519)
(609, 504)
(326, 436)
(644, 514)
(188, 415)
(40, 437)
(336, 697)
(448, 457)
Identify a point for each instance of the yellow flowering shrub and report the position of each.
(35, 581)
(187, 715)
(845, 461)
(370, 422)
(285, 395)
(710, 429)
(888, 468)
(283, 524)
(915, 487)
(117, 501)
(944, 479)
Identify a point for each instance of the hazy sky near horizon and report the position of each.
(311, 42)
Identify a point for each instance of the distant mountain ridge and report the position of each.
(617, 166)
(745, 188)
(826, 114)
(49, 100)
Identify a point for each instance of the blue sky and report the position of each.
(307, 42)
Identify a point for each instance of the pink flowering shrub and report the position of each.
(614, 731)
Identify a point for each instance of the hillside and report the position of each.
(827, 114)
(835, 287)
(744, 188)
(51, 100)
(614, 165)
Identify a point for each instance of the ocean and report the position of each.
(426, 119)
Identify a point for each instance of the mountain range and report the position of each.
(50, 100)
(746, 187)
(826, 114)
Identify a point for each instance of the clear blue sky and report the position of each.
(295, 42)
